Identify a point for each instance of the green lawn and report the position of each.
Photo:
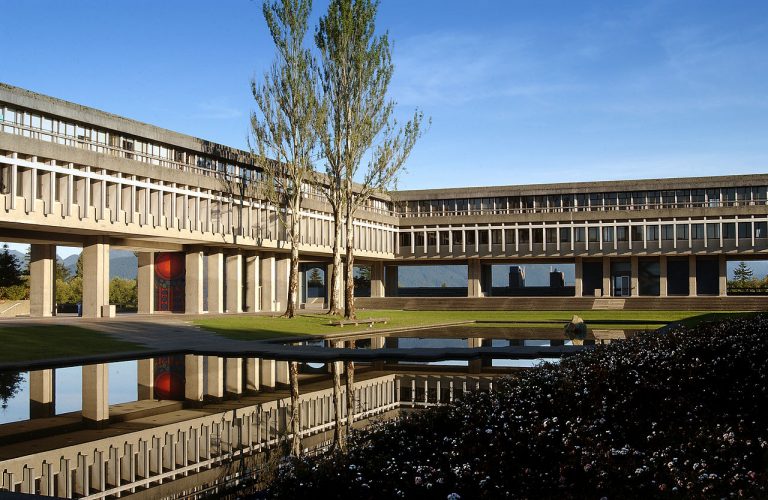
(264, 327)
(22, 343)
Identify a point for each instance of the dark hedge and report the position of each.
(679, 414)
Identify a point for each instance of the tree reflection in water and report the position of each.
(10, 384)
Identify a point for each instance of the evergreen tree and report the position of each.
(743, 273)
(10, 271)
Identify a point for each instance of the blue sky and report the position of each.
(518, 92)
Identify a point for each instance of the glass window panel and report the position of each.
(729, 230)
(697, 231)
(622, 233)
(682, 231)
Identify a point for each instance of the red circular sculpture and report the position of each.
(169, 266)
(169, 386)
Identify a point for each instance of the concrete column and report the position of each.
(193, 374)
(268, 374)
(282, 372)
(215, 371)
(377, 279)
(146, 378)
(146, 282)
(96, 278)
(234, 378)
(474, 278)
(634, 284)
(252, 374)
(42, 393)
(579, 276)
(215, 283)
(663, 290)
(391, 276)
(282, 273)
(692, 276)
(234, 283)
(252, 294)
(267, 276)
(42, 280)
(193, 282)
(606, 276)
(722, 280)
(96, 394)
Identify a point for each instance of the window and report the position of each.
(496, 236)
(713, 231)
(637, 233)
(667, 232)
(431, 238)
(456, 237)
(419, 236)
(538, 235)
(444, 238)
(551, 235)
(607, 234)
(652, 233)
(509, 236)
(682, 232)
(565, 235)
(578, 235)
(697, 231)
(469, 236)
(729, 230)
(524, 235)
(713, 198)
(761, 230)
(483, 236)
(622, 233)
(745, 230)
(594, 234)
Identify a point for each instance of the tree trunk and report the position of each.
(295, 410)
(350, 369)
(293, 278)
(349, 282)
(333, 306)
(339, 441)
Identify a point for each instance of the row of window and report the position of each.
(57, 130)
(635, 200)
(729, 230)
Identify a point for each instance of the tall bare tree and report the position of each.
(284, 128)
(356, 72)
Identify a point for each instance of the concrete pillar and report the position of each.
(145, 375)
(42, 280)
(95, 278)
(215, 371)
(282, 273)
(215, 283)
(474, 278)
(146, 378)
(252, 374)
(634, 284)
(267, 374)
(722, 280)
(96, 394)
(579, 277)
(193, 282)
(606, 276)
(193, 375)
(282, 375)
(663, 290)
(42, 393)
(234, 378)
(234, 283)
(692, 276)
(391, 276)
(252, 293)
(145, 282)
(377, 279)
(267, 276)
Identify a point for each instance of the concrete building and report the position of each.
(71, 175)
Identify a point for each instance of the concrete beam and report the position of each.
(145, 282)
(215, 279)
(95, 394)
(42, 393)
(234, 303)
(42, 259)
